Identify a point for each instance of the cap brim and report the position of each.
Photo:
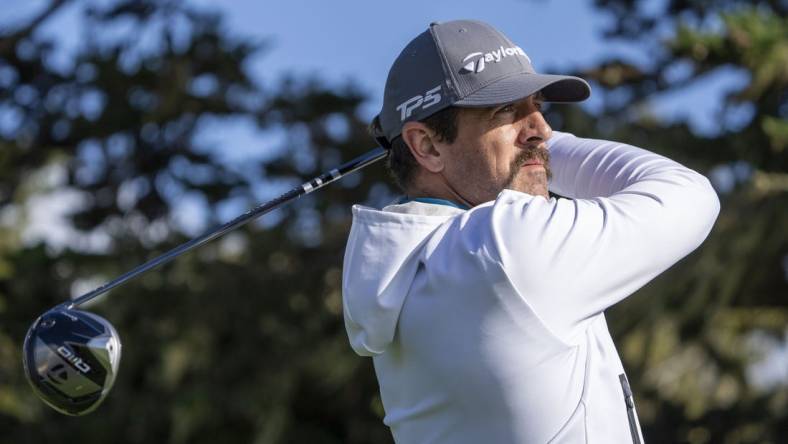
(556, 88)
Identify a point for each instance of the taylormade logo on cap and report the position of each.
(463, 63)
(479, 59)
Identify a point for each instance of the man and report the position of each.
(480, 298)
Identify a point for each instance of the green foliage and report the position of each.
(690, 338)
(241, 340)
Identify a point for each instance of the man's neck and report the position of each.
(437, 187)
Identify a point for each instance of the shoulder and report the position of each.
(513, 218)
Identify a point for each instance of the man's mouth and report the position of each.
(534, 156)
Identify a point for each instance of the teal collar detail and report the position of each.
(433, 200)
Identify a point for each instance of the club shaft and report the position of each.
(304, 189)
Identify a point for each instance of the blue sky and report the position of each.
(353, 41)
(356, 41)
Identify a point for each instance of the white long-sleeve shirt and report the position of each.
(487, 325)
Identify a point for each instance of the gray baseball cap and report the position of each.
(464, 63)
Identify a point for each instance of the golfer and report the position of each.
(479, 296)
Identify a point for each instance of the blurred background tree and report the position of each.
(242, 340)
(705, 343)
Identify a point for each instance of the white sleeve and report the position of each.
(632, 215)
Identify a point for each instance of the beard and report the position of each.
(525, 156)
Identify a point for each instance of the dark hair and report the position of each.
(401, 164)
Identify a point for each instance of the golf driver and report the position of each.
(71, 357)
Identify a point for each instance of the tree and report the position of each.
(689, 338)
(242, 339)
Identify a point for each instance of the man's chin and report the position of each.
(539, 190)
(530, 179)
(534, 189)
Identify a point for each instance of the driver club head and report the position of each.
(71, 358)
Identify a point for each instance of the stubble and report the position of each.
(534, 179)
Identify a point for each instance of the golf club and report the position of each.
(71, 357)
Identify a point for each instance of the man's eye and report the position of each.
(539, 105)
(505, 109)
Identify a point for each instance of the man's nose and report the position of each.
(534, 128)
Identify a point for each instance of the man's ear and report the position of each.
(419, 139)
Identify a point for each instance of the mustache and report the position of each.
(530, 153)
